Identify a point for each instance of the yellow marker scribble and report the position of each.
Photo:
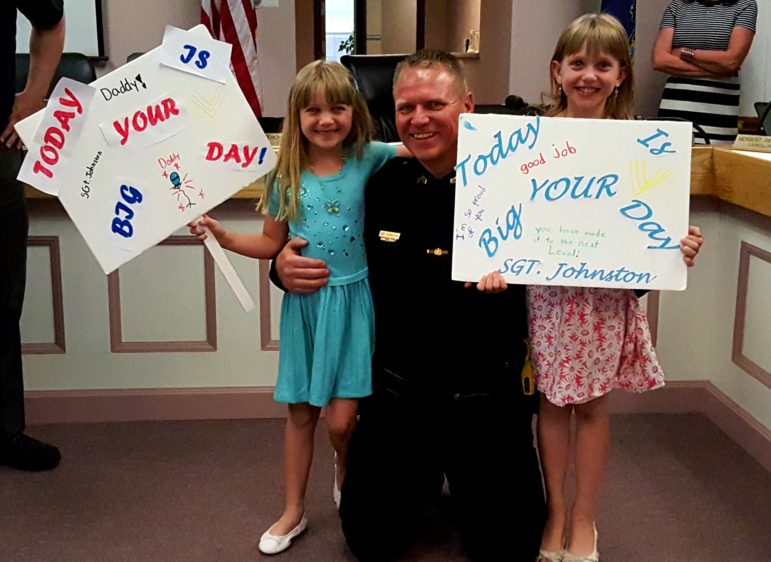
(208, 105)
(640, 180)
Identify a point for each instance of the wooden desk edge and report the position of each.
(742, 180)
(702, 171)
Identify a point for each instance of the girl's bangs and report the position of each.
(333, 86)
(598, 39)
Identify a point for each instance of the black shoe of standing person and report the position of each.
(25, 453)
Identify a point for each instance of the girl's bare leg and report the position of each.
(554, 448)
(341, 419)
(298, 454)
(592, 444)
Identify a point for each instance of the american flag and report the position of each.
(235, 22)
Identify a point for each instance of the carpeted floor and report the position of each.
(677, 490)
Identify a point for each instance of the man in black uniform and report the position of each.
(447, 393)
(17, 449)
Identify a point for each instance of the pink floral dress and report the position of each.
(586, 342)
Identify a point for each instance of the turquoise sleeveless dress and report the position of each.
(327, 337)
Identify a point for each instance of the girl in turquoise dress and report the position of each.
(317, 193)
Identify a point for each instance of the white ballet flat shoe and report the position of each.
(273, 544)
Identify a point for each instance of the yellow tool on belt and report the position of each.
(528, 380)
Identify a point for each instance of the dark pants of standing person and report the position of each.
(13, 263)
(482, 443)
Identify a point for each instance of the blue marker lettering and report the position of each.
(605, 185)
(513, 227)
(122, 227)
(518, 266)
(121, 206)
(462, 166)
(584, 194)
(131, 195)
(549, 190)
(190, 52)
(626, 211)
(202, 59)
(498, 152)
(620, 275)
(662, 149)
(536, 187)
(557, 189)
(653, 229)
(488, 242)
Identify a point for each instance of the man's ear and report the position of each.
(468, 103)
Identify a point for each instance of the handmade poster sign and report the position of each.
(578, 202)
(147, 148)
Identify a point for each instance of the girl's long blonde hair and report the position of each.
(597, 33)
(335, 83)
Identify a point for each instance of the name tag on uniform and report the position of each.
(387, 236)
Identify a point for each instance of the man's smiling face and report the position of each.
(429, 101)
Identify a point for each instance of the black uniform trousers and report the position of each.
(399, 453)
(13, 266)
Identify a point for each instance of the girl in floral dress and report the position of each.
(585, 341)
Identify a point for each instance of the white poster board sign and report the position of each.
(158, 145)
(577, 202)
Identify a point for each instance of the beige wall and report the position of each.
(696, 327)
(162, 314)
(436, 24)
(276, 49)
(461, 18)
(448, 24)
(398, 26)
(488, 75)
(649, 82)
(374, 27)
(124, 34)
(277, 54)
(535, 29)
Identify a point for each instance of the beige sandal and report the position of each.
(550, 556)
(593, 557)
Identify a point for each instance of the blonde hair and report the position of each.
(429, 58)
(335, 83)
(597, 33)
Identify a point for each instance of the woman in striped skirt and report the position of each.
(701, 44)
